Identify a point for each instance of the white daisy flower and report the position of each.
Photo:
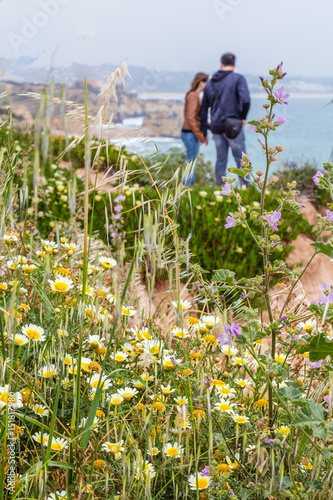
(115, 448)
(13, 399)
(239, 419)
(181, 400)
(119, 356)
(172, 450)
(61, 284)
(95, 424)
(180, 333)
(104, 383)
(209, 321)
(199, 481)
(20, 339)
(127, 393)
(224, 406)
(58, 444)
(167, 389)
(48, 371)
(229, 350)
(183, 304)
(116, 399)
(34, 332)
(107, 262)
(145, 471)
(58, 495)
(38, 438)
(226, 391)
(95, 341)
(40, 410)
(127, 311)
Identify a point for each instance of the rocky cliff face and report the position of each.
(162, 117)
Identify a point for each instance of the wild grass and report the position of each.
(181, 392)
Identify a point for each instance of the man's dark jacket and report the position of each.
(234, 97)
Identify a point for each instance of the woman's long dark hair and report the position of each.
(199, 77)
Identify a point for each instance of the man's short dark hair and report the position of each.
(228, 59)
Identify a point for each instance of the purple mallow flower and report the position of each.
(226, 190)
(273, 219)
(314, 364)
(281, 96)
(329, 215)
(205, 471)
(323, 299)
(253, 127)
(232, 329)
(327, 400)
(316, 178)
(280, 121)
(230, 221)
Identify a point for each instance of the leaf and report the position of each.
(290, 392)
(325, 248)
(237, 171)
(311, 416)
(319, 347)
(245, 494)
(224, 275)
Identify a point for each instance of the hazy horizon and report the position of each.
(173, 36)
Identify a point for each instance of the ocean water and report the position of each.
(307, 135)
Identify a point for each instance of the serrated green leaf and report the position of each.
(290, 392)
(325, 248)
(224, 275)
(319, 347)
(311, 416)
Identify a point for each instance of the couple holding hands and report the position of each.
(227, 97)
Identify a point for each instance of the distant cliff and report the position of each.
(162, 117)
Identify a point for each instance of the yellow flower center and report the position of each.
(33, 334)
(240, 420)
(48, 374)
(56, 446)
(116, 401)
(39, 410)
(59, 286)
(95, 384)
(4, 397)
(224, 407)
(202, 483)
(19, 341)
(119, 357)
(225, 390)
(181, 402)
(172, 452)
(127, 395)
(115, 448)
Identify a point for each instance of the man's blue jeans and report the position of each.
(222, 144)
(192, 145)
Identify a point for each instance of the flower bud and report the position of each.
(271, 151)
(279, 148)
(266, 106)
(259, 173)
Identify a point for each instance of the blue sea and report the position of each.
(306, 136)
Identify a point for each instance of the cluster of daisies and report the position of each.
(174, 384)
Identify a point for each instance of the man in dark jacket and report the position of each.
(226, 95)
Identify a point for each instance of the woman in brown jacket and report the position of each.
(191, 134)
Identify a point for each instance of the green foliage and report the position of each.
(203, 216)
(302, 173)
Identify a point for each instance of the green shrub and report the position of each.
(204, 217)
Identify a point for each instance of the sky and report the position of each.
(173, 35)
